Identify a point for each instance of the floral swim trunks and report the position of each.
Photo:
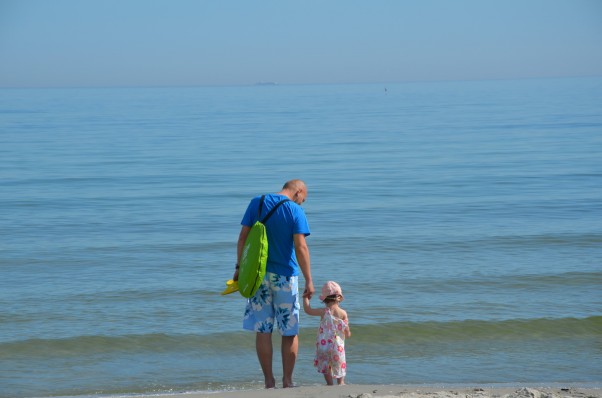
(276, 301)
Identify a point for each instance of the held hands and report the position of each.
(309, 290)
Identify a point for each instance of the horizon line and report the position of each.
(276, 84)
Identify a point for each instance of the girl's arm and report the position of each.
(347, 330)
(311, 311)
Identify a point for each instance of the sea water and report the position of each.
(463, 221)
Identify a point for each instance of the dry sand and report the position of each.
(400, 391)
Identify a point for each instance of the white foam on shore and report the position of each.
(592, 390)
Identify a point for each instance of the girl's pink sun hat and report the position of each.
(331, 288)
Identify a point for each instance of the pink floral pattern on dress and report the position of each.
(330, 346)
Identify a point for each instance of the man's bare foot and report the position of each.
(287, 383)
(271, 383)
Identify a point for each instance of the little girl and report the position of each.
(334, 327)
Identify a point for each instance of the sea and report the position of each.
(462, 219)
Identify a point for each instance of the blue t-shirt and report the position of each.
(289, 219)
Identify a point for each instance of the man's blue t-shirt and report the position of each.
(289, 219)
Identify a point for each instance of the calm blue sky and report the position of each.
(230, 42)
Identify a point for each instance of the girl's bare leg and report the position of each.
(341, 381)
(328, 378)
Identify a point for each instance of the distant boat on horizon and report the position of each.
(266, 84)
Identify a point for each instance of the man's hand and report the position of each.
(309, 290)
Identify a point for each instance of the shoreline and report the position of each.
(566, 390)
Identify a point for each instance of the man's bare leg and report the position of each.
(263, 345)
(290, 347)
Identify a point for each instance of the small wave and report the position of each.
(385, 333)
(519, 282)
(470, 330)
(506, 242)
(90, 345)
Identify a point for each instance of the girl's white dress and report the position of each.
(330, 346)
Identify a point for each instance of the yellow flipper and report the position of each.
(231, 287)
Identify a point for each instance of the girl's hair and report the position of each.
(333, 298)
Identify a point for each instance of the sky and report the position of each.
(98, 43)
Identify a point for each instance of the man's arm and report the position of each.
(242, 238)
(302, 252)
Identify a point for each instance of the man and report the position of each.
(276, 301)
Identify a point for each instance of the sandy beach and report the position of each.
(400, 391)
